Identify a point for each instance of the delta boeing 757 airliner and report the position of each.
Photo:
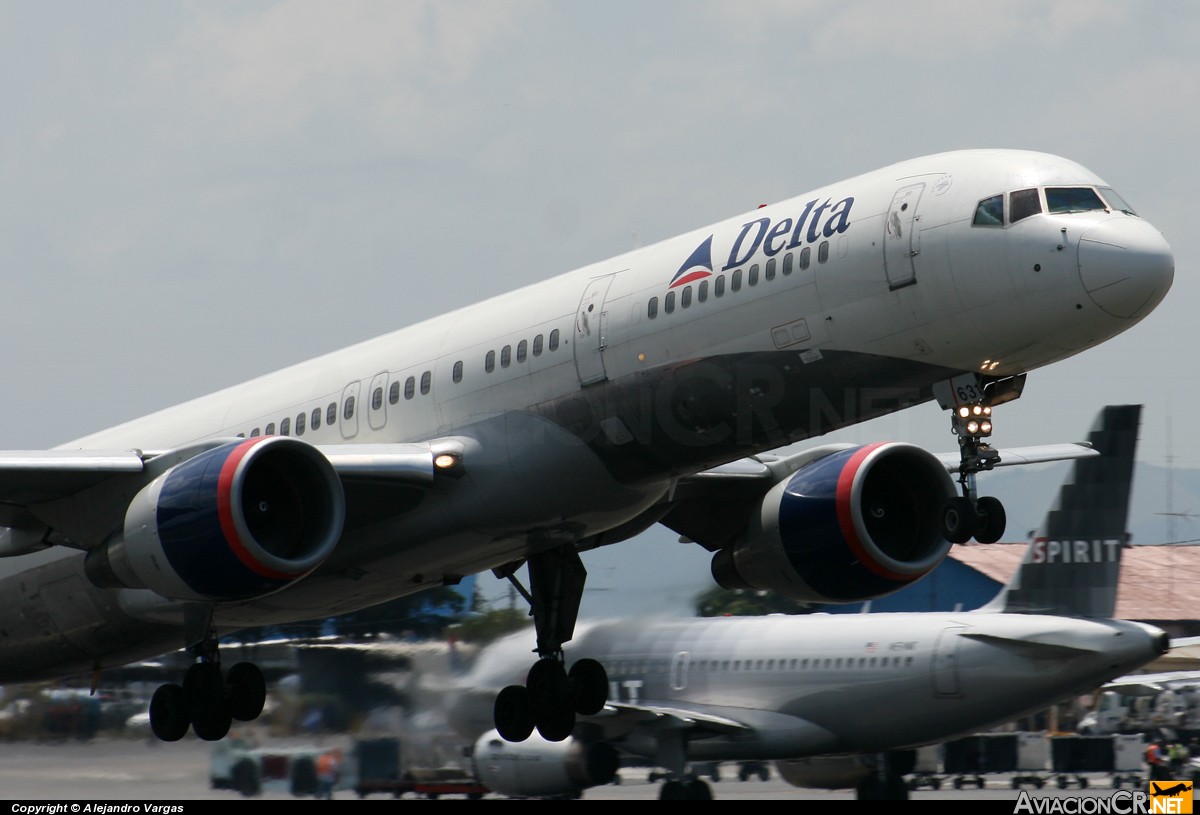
(578, 412)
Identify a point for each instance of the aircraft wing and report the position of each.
(770, 468)
(1151, 684)
(628, 724)
(42, 491)
(1039, 454)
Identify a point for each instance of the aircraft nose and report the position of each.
(1126, 266)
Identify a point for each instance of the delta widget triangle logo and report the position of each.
(697, 267)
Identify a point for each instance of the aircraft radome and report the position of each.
(578, 412)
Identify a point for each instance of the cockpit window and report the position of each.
(1023, 203)
(1115, 201)
(1072, 199)
(990, 212)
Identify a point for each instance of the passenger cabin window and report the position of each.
(255, 433)
(537, 341)
(348, 408)
(426, 382)
(315, 421)
(377, 399)
(735, 280)
(300, 424)
(787, 264)
(769, 269)
(522, 350)
(331, 413)
(554, 340)
(394, 393)
(669, 302)
(651, 310)
(805, 257)
(489, 362)
(505, 358)
(702, 291)
(989, 212)
(823, 252)
(1072, 199)
(410, 387)
(285, 427)
(752, 277)
(685, 299)
(1022, 204)
(270, 430)
(457, 373)
(719, 286)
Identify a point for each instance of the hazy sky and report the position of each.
(192, 194)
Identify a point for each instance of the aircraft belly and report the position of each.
(698, 414)
(54, 623)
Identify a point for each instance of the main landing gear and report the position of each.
(209, 700)
(970, 515)
(552, 696)
(886, 781)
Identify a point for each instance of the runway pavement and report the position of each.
(144, 771)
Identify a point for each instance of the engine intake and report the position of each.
(856, 524)
(232, 523)
(536, 768)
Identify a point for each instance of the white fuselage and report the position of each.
(579, 400)
(828, 684)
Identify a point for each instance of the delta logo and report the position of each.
(697, 267)
(819, 220)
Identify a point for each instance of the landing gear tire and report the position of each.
(513, 714)
(547, 684)
(958, 520)
(555, 725)
(247, 691)
(869, 789)
(894, 789)
(169, 719)
(990, 519)
(589, 683)
(204, 695)
(551, 697)
(672, 791)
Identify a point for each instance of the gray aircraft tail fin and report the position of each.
(1073, 563)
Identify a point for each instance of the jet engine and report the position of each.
(536, 768)
(232, 523)
(859, 523)
(842, 772)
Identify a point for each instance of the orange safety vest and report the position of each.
(327, 765)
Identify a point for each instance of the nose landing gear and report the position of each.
(970, 515)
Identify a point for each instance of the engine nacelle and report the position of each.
(232, 523)
(841, 772)
(825, 772)
(536, 768)
(857, 524)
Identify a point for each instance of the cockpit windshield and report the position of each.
(1115, 201)
(1072, 199)
(1009, 208)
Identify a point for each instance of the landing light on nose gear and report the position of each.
(970, 515)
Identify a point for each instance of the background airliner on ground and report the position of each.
(837, 687)
(578, 412)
